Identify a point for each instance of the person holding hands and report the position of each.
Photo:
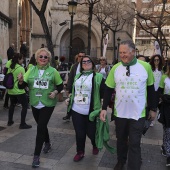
(85, 98)
(133, 81)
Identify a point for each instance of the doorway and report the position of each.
(78, 45)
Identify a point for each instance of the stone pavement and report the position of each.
(17, 146)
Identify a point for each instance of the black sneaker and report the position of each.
(168, 161)
(36, 162)
(163, 151)
(25, 126)
(67, 117)
(10, 123)
(119, 166)
(47, 147)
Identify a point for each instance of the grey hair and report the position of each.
(129, 43)
(43, 49)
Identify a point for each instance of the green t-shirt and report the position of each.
(165, 84)
(131, 91)
(18, 69)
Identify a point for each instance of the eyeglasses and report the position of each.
(102, 59)
(41, 56)
(128, 71)
(156, 60)
(80, 56)
(86, 62)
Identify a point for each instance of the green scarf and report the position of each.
(133, 62)
(43, 67)
(87, 72)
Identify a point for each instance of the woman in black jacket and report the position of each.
(164, 89)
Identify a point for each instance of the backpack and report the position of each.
(8, 81)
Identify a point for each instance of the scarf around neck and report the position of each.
(131, 63)
(87, 72)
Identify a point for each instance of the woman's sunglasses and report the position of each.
(86, 62)
(156, 60)
(41, 56)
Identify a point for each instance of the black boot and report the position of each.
(67, 117)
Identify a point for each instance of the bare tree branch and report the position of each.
(152, 20)
(44, 26)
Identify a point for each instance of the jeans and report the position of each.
(42, 117)
(83, 126)
(129, 133)
(21, 98)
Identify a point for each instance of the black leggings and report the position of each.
(83, 126)
(42, 117)
(21, 98)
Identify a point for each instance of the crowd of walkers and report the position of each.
(141, 88)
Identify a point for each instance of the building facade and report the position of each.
(144, 40)
(26, 27)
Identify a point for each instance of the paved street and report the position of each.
(17, 146)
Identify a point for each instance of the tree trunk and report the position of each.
(45, 28)
(48, 38)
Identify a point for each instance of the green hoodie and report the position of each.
(102, 132)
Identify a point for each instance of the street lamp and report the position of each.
(118, 43)
(72, 6)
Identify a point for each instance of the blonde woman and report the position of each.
(44, 84)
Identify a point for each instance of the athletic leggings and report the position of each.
(42, 117)
(22, 99)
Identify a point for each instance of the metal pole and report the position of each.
(71, 37)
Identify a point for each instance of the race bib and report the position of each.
(81, 99)
(41, 83)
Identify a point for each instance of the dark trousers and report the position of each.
(129, 133)
(83, 126)
(6, 99)
(42, 117)
(21, 98)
